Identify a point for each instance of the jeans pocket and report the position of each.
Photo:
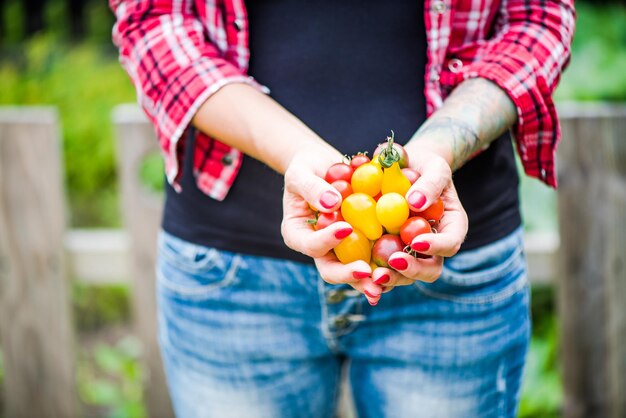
(190, 270)
(487, 274)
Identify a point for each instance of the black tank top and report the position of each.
(352, 71)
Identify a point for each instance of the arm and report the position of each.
(182, 78)
(476, 113)
(260, 127)
(524, 58)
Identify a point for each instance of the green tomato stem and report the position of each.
(389, 155)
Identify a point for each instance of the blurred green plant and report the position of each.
(84, 84)
(99, 306)
(597, 70)
(111, 377)
(151, 173)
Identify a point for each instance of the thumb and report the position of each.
(435, 176)
(313, 189)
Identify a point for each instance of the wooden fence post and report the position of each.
(142, 214)
(35, 321)
(592, 279)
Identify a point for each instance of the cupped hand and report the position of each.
(435, 180)
(305, 187)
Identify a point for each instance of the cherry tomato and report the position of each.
(403, 160)
(367, 179)
(325, 219)
(339, 171)
(394, 181)
(343, 187)
(359, 210)
(354, 247)
(358, 160)
(434, 212)
(414, 226)
(410, 174)
(392, 211)
(384, 247)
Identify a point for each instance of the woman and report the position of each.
(257, 315)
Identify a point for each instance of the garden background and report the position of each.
(64, 57)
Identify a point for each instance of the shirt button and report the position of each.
(227, 159)
(455, 65)
(439, 6)
(340, 322)
(335, 296)
(238, 24)
(434, 76)
(543, 173)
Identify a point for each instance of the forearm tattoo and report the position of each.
(476, 113)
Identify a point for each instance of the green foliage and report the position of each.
(151, 173)
(84, 83)
(111, 378)
(598, 55)
(96, 307)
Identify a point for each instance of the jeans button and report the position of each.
(340, 322)
(335, 296)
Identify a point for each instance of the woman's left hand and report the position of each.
(435, 180)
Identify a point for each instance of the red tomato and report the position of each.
(414, 226)
(343, 187)
(434, 212)
(384, 247)
(325, 219)
(339, 171)
(410, 174)
(359, 160)
(403, 156)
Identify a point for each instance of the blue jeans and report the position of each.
(254, 337)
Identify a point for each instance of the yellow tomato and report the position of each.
(394, 181)
(392, 210)
(354, 247)
(359, 210)
(367, 178)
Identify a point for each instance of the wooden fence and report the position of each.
(35, 330)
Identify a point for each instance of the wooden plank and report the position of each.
(142, 215)
(35, 323)
(592, 260)
(98, 256)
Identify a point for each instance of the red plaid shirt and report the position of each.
(179, 52)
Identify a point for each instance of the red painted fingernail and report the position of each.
(399, 263)
(382, 279)
(371, 295)
(329, 199)
(360, 274)
(342, 233)
(420, 246)
(416, 199)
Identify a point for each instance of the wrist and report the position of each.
(450, 138)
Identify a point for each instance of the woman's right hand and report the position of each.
(305, 187)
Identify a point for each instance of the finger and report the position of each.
(372, 291)
(313, 189)
(299, 235)
(334, 272)
(435, 176)
(389, 278)
(451, 232)
(422, 269)
(444, 244)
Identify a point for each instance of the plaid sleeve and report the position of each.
(525, 58)
(173, 66)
